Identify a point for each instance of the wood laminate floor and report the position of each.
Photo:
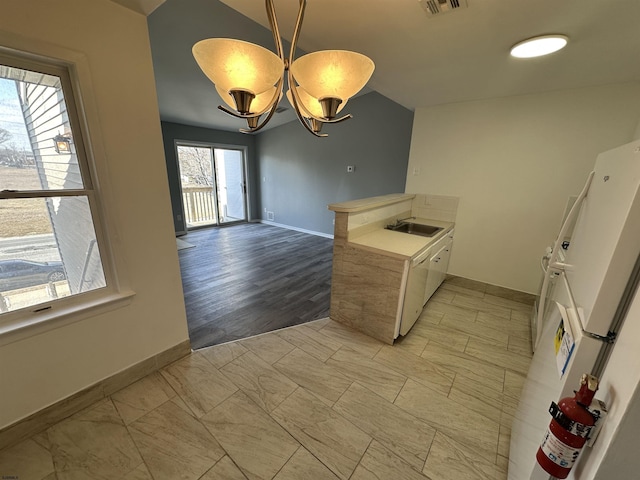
(252, 278)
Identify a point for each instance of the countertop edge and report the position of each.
(386, 253)
(354, 206)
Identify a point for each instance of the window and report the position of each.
(50, 248)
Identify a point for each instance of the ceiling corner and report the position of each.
(144, 7)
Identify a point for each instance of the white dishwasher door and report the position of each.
(438, 265)
(414, 293)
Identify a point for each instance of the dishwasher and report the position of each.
(414, 293)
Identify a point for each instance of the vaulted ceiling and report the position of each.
(420, 60)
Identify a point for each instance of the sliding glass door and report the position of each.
(213, 184)
(230, 185)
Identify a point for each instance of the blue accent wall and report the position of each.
(299, 174)
(296, 175)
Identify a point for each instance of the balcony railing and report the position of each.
(199, 205)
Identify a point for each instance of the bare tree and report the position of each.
(5, 135)
(16, 157)
(11, 155)
(195, 164)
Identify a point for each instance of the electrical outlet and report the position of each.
(270, 216)
(416, 170)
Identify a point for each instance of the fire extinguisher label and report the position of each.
(573, 427)
(558, 452)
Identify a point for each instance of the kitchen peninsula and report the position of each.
(381, 278)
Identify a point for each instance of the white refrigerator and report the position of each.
(595, 302)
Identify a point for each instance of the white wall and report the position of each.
(109, 48)
(514, 162)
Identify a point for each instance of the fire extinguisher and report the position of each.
(569, 430)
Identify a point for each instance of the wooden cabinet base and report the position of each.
(365, 288)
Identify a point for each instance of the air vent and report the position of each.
(438, 7)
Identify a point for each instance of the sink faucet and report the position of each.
(400, 220)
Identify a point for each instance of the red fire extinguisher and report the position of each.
(569, 430)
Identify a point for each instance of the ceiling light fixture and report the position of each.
(539, 46)
(250, 79)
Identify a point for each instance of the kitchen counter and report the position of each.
(398, 244)
(371, 265)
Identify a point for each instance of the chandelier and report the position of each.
(250, 79)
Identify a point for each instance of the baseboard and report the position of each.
(48, 416)
(497, 290)
(289, 227)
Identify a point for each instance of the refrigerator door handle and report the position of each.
(575, 209)
(544, 260)
(553, 259)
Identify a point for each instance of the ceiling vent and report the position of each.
(438, 7)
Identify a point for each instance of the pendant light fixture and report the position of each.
(250, 79)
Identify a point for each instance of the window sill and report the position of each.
(20, 325)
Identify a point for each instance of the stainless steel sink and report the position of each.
(415, 229)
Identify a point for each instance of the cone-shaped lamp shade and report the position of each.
(258, 104)
(332, 73)
(237, 65)
(311, 104)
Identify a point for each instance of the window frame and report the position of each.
(213, 147)
(24, 322)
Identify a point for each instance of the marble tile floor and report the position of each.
(314, 401)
